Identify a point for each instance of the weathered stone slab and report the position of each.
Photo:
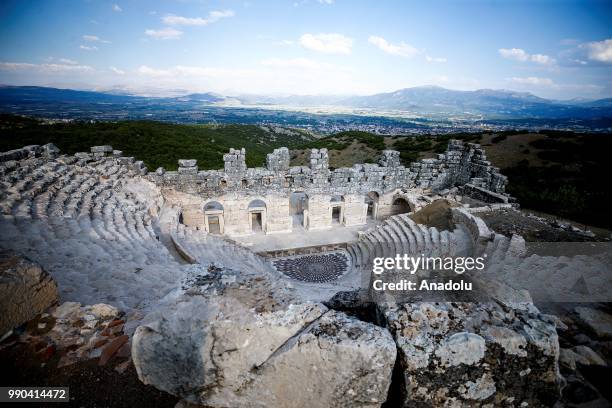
(102, 149)
(248, 348)
(187, 162)
(25, 290)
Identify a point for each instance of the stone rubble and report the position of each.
(76, 333)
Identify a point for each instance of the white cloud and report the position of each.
(146, 70)
(542, 59)
(212, 17)
(331, 43)
(94, 38)
(432, 59)
(44, 68)
(167, 33)
(117, 8)
(272, 75)
(535, 81)
(185, 71)
(521, 55)
(67, 61)
(514, 53)
(117, 71)
(402, 49)
(88, 47)
(600, 51)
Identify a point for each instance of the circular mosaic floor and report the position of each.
(320, 268)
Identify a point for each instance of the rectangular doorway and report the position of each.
(336, 215)
(214, 227)
(256, 222)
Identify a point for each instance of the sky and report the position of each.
(554, 49)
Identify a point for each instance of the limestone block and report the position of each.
(260, 348)
(187, 163)
(102, 149)
(25, 290)
(51, 150)
(468, 354)
(188, 170)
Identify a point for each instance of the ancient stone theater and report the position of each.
(251, 287)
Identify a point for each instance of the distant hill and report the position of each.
(488, 102)
(421, 110)
(435, 100)
(425, 100)
(35, 94)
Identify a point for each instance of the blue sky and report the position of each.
(556, 49)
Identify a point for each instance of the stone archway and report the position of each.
(213, 218)
(257, 216)
(400, 205)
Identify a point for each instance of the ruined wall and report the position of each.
(236, 186)
(463, 163)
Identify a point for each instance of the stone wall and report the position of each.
(236, 186)
(462, 163)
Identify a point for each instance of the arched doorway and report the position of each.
(371, 199)
(257, 216)
(337, 210)
(213, 217)
(298, 208)
(400, 206)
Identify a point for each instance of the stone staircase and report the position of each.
(399, 234)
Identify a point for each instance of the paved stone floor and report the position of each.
(300, 238)
(323, 267)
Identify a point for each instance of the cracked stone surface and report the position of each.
(466, 354)
(25, 290)
(244, 342)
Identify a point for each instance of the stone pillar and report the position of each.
(278, 160)
(319, 160)
(390, 158)
(319, 166)
(235, 162)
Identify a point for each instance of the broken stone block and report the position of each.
(187, 163)
(25, 290)
(102, 149)
(227, 347)
(188, 170)
(467, 354)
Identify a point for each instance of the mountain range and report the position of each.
(424, 101)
